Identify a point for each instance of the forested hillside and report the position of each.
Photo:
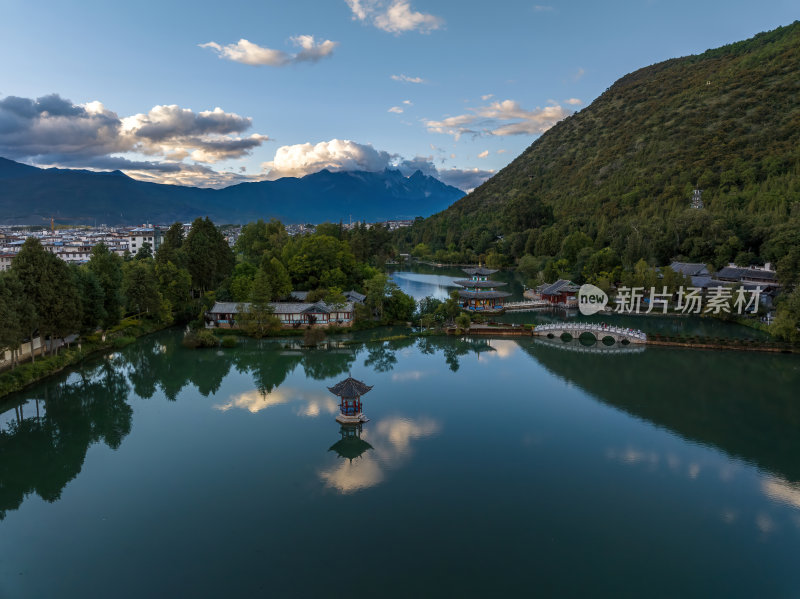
(612, 184)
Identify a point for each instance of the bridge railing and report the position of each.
(594, 328)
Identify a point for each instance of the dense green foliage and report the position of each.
(612, 185)
(621, 171)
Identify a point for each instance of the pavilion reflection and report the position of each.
(366, 455)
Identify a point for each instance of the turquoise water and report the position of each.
(488, 468)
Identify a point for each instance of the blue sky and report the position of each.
(455, 88)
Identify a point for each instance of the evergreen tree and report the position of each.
(259, 318)
(107, 267)
(208, 257)
(140, 288)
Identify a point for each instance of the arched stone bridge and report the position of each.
(599, 331)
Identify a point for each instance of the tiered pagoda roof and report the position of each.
(480, 270)
(481, 289)
(350, 447)
(350, 388)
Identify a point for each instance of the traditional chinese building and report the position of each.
(351, 445)
(561, 293)
(349, 392)
(480, 293)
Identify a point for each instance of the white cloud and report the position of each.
(464, 179)
(499, 118)
(247, 52)
(487, 97)
(573, 102)
(335, 155)
(578, 74)
(483, 154)
(396, 110)
(406, 79)
(503, 151)
(394, 16)
(52, 131)
(408, 102)
(345, 155)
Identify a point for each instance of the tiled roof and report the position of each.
(737, 273)
(689, 269)
(479, 271)
(482, 294)
(468, 283)
(560, 286)
(349, 388)
(281, 307)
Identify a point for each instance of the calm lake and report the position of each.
(488, 468)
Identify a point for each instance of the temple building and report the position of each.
(351, 445)
(562, 293)
(349, 392)
(480, 293)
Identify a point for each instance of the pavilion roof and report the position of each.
(470, 283)
(480, 270)
(482, 294)
(350, 387)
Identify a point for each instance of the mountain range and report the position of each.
(29, 195)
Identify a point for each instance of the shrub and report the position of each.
(200, 338)
(229, 341)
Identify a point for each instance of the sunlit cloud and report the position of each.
(483, 154)
(246, 52)
(52, 131)
(501, 119)
(394, 16)
(396, 110)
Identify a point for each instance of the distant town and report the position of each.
(74, 244)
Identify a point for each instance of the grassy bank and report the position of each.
(125, 333)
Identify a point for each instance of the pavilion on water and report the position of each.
(349, 392)
(480, 293)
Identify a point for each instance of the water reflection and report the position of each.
(255, 400)
(43, 451)
(743, 404)
(372, 451)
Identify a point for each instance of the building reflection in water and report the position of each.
(370, 453)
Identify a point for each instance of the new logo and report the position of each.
(591, 299)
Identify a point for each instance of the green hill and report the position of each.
(622, 170)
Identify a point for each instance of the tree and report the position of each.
(259, 318)
(787, 319)
(175, 285)
(463, 321)
(259, 239)
(16, 314)
(170, 248)
(107, 267)
(92, 297)
(145, 252)
(140, 288)
(208, 257)
(279, 281)
(320, 261)
(48, 285)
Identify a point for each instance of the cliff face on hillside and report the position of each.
(622, 170)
